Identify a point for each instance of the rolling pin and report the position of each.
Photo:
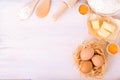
(62, 8)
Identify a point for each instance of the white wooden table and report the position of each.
(41, 49)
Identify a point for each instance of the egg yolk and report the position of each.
(83, 9)
(113, 48)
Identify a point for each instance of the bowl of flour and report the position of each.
(105, 7)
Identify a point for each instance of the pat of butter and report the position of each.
(103, 33)
(95, 24)
(108, 27)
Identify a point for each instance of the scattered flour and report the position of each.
(24, 13)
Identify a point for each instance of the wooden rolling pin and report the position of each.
(64, 5)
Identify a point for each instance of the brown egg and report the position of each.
(87, 53)
(98, 60)
(86, 66)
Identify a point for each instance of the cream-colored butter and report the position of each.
(95, 24)
(109, 27)
(103, 33)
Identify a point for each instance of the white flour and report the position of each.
(24, 13)
(104, 6)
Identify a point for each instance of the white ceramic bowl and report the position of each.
(105, 7)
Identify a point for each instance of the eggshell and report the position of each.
(98, 60)
(87, 53)
(86, 66)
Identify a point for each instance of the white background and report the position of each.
(41, 49)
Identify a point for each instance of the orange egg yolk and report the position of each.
(83, 9)
(113, 48)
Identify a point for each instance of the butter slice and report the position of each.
(108, 26)
(103, 33)
(95, 24)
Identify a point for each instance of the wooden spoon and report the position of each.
(43, 8)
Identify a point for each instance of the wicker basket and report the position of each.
(99, 47)
(113, 36)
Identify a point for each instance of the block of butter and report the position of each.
(109, 27)
(95, 24)
(103, 33)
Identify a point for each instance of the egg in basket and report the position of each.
(91, 58)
